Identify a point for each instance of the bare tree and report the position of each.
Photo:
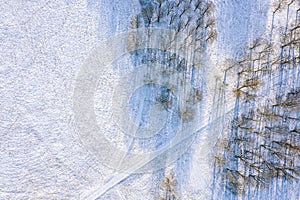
(169, 183)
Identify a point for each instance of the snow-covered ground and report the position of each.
(47, 54)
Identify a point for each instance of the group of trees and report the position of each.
(261, 144)
(194, 17)
(194, 25)
(195, 22)
(264, 144)
(259, 152)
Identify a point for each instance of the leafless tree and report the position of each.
(212, 35)
(169, 183)
(186, 113)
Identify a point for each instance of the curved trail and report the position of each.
(118, 178)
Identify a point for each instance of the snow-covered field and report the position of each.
(137, 99)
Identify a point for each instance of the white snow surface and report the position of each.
(43, 46)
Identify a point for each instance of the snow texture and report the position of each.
(191, 93)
